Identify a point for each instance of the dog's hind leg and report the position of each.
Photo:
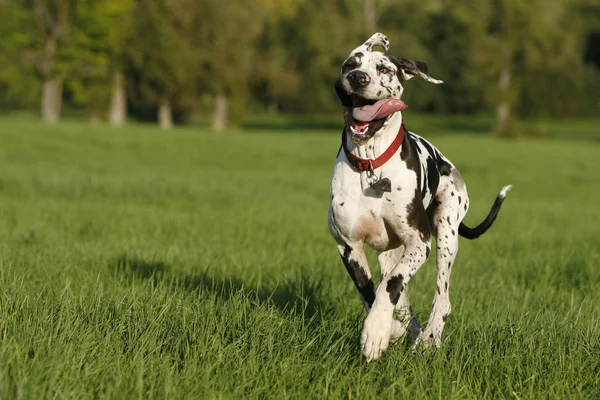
(404, 318)
(446, 217)
(355, 261)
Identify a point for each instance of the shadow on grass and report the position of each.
(298, 296)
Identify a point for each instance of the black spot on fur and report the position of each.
(432, 208)
(394, 288)
(427, 251)
(417, 216)
(363, 283)
(342, 204)
(410, 157)
(438, 290)
(446, 286)
(428, 147)
(444, 168)
(459, 199)
(379, 93)
(444, 317)
(433, 175)
(452, 194)
(453, 233)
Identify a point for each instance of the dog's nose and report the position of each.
(358, 79)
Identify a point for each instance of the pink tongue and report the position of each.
(381, 109)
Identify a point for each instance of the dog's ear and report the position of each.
(342, 94)
(378, 39)
(408, 69)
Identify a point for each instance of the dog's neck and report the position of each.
(380, 141)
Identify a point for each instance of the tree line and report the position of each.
(167, 60)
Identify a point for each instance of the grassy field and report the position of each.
(136, 263)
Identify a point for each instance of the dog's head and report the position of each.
(370, 86)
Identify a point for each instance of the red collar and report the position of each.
(366, 164)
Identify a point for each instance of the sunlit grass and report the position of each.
(189, 264)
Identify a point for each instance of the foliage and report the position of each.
(135, 264)
(284, 55)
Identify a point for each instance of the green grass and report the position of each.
(188, 264)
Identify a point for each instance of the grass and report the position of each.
(136, 263)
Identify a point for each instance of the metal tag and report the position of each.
(382, 185)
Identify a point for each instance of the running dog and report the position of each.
(393, 190)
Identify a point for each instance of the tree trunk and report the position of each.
(165, 114)
(117, 112)
(52, 99)
(370, 13)
(220, 116)
(503, 109)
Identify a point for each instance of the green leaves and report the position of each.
(284, 55)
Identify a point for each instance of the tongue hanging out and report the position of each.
(358, 118)
(380, 109)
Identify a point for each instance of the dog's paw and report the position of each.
(429, 339)
(415, 336)
(375, 338)
(398, 330)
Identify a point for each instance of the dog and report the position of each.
(393, 190)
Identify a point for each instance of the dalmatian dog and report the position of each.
(394, 191)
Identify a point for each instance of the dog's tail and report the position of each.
(474, 233)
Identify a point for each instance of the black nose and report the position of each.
(358, 79)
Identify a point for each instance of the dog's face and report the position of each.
(367, 80)
(368, 76)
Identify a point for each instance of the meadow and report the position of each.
(138, 263)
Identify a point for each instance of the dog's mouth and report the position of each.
(367, 116)
(358, 101)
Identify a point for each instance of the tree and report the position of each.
(227, 57)
(19, 84)
(534, 47)
(276, 75)
(51, 19)
(160, 56)
(119, 17)
(100, 27)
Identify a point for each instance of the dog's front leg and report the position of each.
(355, 261)
(404, 319)
(378, 326)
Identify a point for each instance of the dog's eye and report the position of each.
(348, 67)
(384, 70)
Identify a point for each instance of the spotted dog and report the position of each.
(393, 190)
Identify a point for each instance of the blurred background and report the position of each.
(231, 63)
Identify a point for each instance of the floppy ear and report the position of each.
(408, 69)
(378, 39)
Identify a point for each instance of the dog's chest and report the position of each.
(368, 215)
